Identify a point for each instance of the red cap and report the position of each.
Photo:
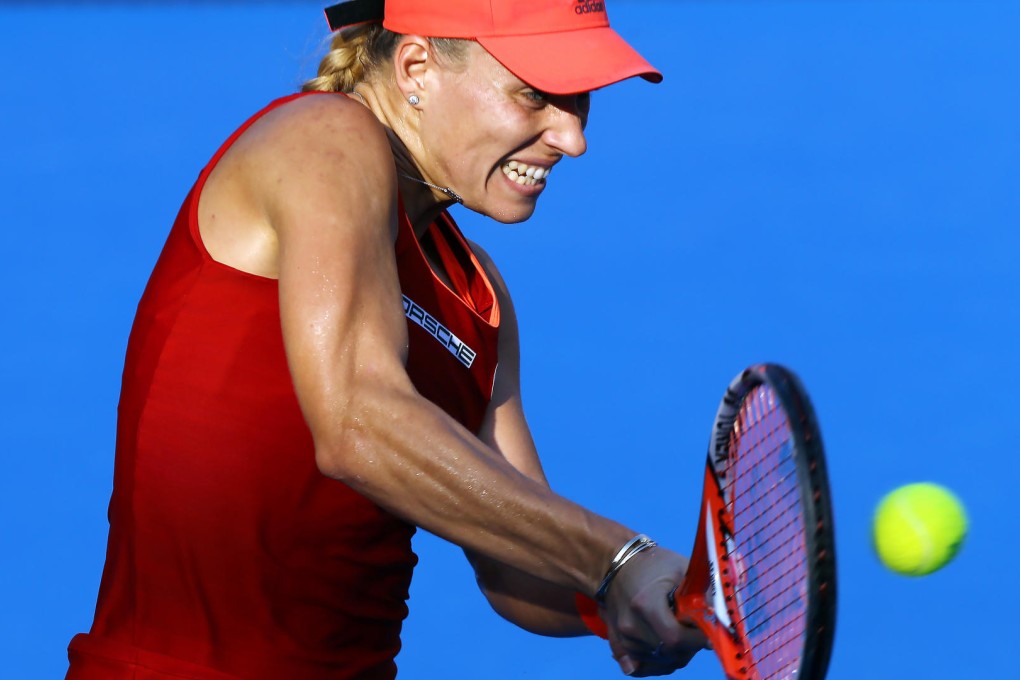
(557, 46)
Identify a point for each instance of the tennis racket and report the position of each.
(761, 584)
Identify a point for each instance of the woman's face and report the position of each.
(492, 138)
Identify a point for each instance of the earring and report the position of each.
(413, 100)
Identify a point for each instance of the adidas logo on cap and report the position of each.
(589, 7)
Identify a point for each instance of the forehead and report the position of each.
(478, 62)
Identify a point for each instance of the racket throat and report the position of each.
(716, 596)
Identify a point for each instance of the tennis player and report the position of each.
(321, 363)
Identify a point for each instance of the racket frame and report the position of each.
(708, 594)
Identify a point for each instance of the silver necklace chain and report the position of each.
(454, 196)
(446, 190)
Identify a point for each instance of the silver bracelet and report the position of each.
(629, 549)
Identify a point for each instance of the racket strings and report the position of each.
(776, 638)
(778, 642)
(773, 551)
(788, 589)
(759, 519)
(782, 546)
(768, 533)
(772, 638)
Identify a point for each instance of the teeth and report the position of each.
(525, 174)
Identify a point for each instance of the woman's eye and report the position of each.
(536, 96)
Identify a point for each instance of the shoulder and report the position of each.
(320, 157)
(321, 127)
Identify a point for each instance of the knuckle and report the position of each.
(629, 629)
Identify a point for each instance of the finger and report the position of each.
(639, 658)
(648, 669)
(678, 636)
(628, 665)
(620, 649)
(672, 653)
(681, 654)
(660, 663)
(632, 633)
(673, 634)
(693, 635)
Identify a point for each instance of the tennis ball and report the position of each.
(918, 528)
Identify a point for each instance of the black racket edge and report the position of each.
(815, 497)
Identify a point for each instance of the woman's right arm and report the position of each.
(323, 170)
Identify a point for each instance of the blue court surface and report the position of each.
(829, 185)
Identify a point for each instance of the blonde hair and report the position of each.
(356, 52)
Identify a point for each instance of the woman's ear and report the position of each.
(411, 63)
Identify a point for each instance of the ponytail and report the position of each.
(356, 52)
(352, 54)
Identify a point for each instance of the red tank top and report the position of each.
(230, 555)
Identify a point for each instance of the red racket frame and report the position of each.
(710, 599)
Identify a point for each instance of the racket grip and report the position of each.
(671, 598)
(588, 610)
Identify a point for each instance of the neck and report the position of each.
(423, 200)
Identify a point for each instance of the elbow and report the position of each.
(502, 603)
(329, 459)
(341, 454)
(530, 603)
(532, 614)
(341, 424)
(355, 427)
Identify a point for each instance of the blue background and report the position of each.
(832, 185)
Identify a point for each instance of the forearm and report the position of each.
(407, 455)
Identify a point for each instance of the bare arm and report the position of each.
(316, 180)
(534, 604)
(547, 608)
(324, 171)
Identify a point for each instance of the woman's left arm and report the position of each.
(531, 603)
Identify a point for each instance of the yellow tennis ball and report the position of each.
(918, 528)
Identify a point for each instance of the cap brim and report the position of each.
(568, 62)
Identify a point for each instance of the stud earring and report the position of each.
(413, 100)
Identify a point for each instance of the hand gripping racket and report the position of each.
(761, 583)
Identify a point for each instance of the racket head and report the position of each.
(762, 582)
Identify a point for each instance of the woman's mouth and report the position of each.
(524, 174)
